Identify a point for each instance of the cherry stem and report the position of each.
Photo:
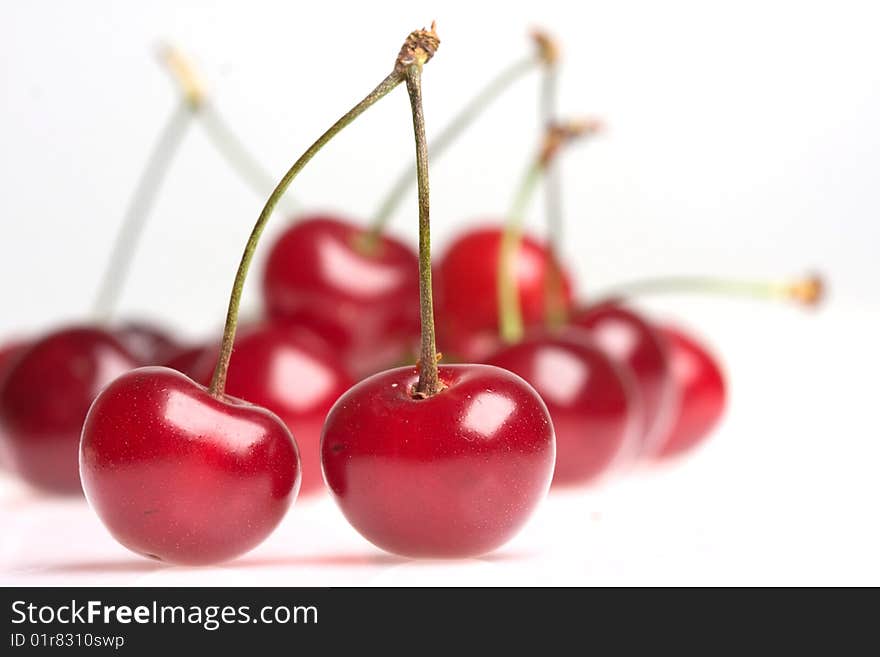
(556, 135)
(554, 290)
(459, 123)
(807, 290)
(429, 378)
(419, 46)
(221, 134)
(233, 150)
(142, 201)
(510, 319)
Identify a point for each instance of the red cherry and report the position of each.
(8, 353)
(45, 397)
(702, 391)
(150, 344)
(467, 282)
(630, 339)
(592, 400)
(179, 475)
(320, 276)
(453, 475)
(293, 375)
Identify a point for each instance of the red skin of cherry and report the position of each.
(467, 284)
(178, 475)
(8, 353)
(593, 401)
(470, 347)
(45, 397)
(454, 475)
(292, 374)
(702, 391)
(319, 278)
(188, 360)
(629, 338)
(150, 344)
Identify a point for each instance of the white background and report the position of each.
(743, 139)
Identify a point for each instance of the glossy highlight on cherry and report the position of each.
(181, 476)
(630, 339)
(324, 274)
(702, 389)
(593, 402)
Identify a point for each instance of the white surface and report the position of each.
(784, 493)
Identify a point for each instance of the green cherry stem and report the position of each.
(450, 133)
(142, 201)
(228, 144)
(419, 46)
(429, 379)
(510, 312)
(557, 135)
(807, 290)
(236, 154)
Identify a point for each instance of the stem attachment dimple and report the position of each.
(419, 47)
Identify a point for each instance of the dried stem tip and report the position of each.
(809, 291)
(548, 47)
(561, 133)
(182, 70)
(418, 48)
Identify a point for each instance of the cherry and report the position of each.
(437, 461)
(456, 474)
(148, 343)
(44, 399)
(321, 274)
(467, 284)
(592, 400)
(217, 473)
(180, 475)
(693, 381)
(701, 388)
(295, 376)
(630, 339)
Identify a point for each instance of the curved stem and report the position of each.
(446, 137)
(231, 147)
(429, 378)
(510, 321)
(218, 381)
(139, 208)
(807, 290)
